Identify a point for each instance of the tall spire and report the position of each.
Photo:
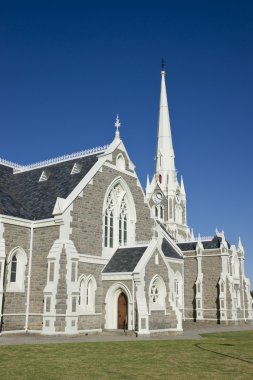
(117, 126)
(164, 154)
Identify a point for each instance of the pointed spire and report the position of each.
(164, 153)
(182, 186)
(192, 235)
(117, 126)
(240, 246)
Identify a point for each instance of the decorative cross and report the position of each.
(117, 125)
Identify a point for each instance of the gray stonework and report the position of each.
(164, 319)
(15, 302)
(92, 321)
(190, 276)
(87, 217)
(61, 296)
(43, 239)
(211, 268)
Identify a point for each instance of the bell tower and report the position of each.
(165, 194)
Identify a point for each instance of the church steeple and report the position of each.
(164, 191)
(165, 165)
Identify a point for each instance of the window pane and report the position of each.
(13, 269)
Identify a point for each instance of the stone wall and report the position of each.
(190, 276)
(211, 268)
(162, 319)
(15, 302)
(43, 239)
(87, 223)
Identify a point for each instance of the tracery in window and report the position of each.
(119, 216)
(87, 290)
(157, 293)
(123, 222)
(108, 231)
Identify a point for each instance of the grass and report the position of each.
(216, 356)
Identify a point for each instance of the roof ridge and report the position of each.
(83, 153)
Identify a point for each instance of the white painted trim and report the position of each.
(165, 330)
(83, 258)
(116, 276)
(114, 167)
(26, 222)
(29, 278)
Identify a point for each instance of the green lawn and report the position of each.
(217, 356)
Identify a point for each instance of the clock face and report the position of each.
(157, 197)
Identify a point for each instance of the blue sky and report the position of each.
(68, 67)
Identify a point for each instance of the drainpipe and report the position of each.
(29, 280)
(133, 305)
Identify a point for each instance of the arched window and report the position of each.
(123, 223)
(16, 270)
(157, 294)
(87, 290)
(156, 212)
(120, 162)
(119, 216)
(160, 178)
(13, 269)
(108, 230)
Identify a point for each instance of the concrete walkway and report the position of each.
(188, 333)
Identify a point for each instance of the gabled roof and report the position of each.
(125, 260)
(23, 196)
(208, 244)
(169, 250)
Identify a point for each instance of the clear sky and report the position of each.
(68, 67)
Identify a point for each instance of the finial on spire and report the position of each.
(117, 125)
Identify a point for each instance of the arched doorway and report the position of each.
(122, 311)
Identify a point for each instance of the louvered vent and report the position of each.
(44, 176)
(76, 168)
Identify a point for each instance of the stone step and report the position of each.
(119, 332)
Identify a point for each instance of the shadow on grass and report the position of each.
(200, 346)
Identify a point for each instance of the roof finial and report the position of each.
(163, 64)
(117, 125)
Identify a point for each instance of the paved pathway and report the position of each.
(188, 333)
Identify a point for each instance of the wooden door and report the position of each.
(122, 311)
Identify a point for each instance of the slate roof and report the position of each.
(164, 229)
(125, 259)
(23, 196)
(169, 250)
(209, 244)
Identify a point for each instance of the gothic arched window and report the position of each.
(16, 270)
(13, 269)
(87, 290)
(157, 293)
(119, 216)
(123, 223)
(108, 229)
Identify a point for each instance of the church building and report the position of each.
(84, 249)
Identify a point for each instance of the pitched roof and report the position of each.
(169, 250)
(208, 244)
(23, 196)
(125, 260)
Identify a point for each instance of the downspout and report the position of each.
(133, 305)
(29, 280)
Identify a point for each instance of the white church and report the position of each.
(84, 249)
